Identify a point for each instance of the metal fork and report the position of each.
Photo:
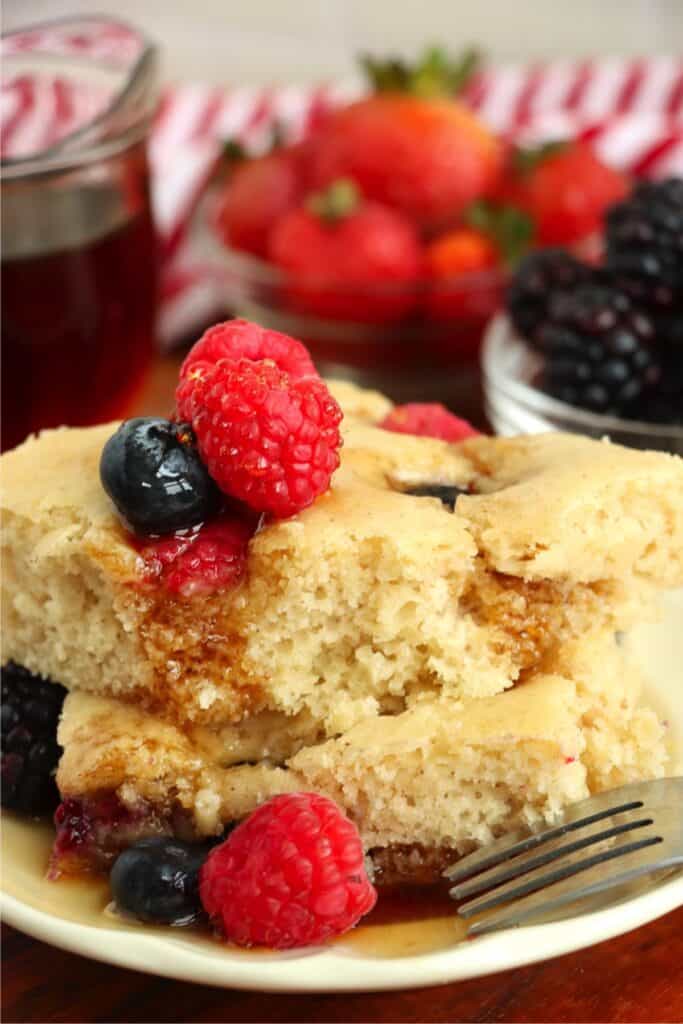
(607, 841)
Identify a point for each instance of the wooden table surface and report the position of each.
(637, 977)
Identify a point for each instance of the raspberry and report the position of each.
(239, 339)
(213, 557)
(427, 419)
(292, 874)
(267, 440)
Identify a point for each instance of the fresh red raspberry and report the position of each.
(240, 339)
(428, 419)
(213, 557)
(292, 874)
(267, 440)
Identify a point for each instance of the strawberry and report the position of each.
(346, 258)
(410, 144)
(565, 188)
(466, 264)
(258, 192)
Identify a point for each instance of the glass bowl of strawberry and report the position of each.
(384, 239)
(370, 301)
(593, 349)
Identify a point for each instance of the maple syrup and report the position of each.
(77, 329)
(79, 253)
(406, 921)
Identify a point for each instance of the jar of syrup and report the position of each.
(79, 253)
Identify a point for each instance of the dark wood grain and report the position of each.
(635, 978)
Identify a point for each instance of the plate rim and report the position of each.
(153, 953)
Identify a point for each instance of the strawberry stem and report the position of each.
(235, 152)
(434, 74)
(339, 200)
(525, 160)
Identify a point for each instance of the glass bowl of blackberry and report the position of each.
(597, 349)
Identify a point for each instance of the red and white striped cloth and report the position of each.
(37, 110)
(631, 110)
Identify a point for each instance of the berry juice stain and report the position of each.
(77, 328)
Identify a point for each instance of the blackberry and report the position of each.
(666, 410)
(151, 470)
(599, 350)
(30, 711)
(666, 406)
(536, 280)
(644, 243)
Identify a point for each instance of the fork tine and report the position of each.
(519, 842)
(522, 865)
(543, 905)
(539, 880)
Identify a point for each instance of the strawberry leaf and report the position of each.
(525, 160)
(511, 229)
(233, 151)
(434, 74)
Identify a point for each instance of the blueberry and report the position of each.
(157, 880)
(152, 472)
(448, 494)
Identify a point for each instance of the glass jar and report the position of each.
(79, 253)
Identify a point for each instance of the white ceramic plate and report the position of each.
(71, 914)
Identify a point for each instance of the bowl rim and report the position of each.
(499, 334)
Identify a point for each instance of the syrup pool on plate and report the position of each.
(405, 922)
